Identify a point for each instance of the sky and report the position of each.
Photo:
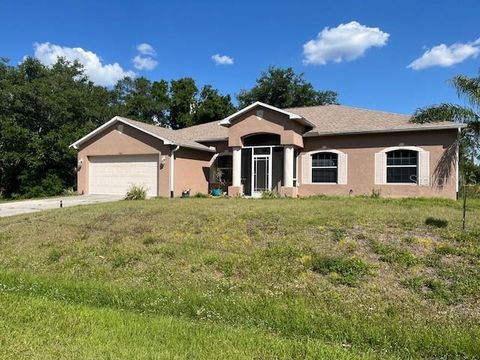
(390, 55)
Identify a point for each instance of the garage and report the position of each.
(114, 175)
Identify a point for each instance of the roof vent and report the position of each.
(120, 128)
(259, 114)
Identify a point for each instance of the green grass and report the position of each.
(45, 329)
(341, 269)
(282, 278)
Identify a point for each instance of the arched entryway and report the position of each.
(262, 164)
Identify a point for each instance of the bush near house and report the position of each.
(328, 278)
(136, 192)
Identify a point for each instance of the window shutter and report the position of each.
(306, 168)
(424, 168)
(380, 168)
(342, 168)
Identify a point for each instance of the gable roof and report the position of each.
(291, 115)
(325, 120)
(331, 120)
(168, 136)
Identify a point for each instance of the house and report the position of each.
(331, 149)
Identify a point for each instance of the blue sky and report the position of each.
(371, 68)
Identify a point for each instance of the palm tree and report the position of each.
(468, 90)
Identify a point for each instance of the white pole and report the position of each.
(237, 167)
(288, 166)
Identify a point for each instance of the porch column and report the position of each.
(237, 166)
(288, 166)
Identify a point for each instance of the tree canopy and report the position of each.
(42, 111)
(284, 88)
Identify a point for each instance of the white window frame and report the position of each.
(342, 160)
(416, 166)
(323, 167)
(419, 152)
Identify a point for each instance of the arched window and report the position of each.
(402, 166)
(324, 167)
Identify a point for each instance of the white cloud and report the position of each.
(144, 63)
(445, 56)
(345, 42)
(222, 59)
(100, 74)
(146, 49)
(145, 59)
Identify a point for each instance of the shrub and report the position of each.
(69, 192)
(440, 223)
(200, 195)
(342, 270)
(136, 192)
(51, 185)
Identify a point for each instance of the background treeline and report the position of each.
(45, 109)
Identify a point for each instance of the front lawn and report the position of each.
(237, 278)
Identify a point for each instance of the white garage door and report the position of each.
(113, 175)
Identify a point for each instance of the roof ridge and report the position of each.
(372, 110)
(144, 123)
(196, 125)
(348, 107)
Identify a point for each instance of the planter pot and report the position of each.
(217, 192)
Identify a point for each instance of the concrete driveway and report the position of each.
(10, 208)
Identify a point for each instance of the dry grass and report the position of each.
(388, 281)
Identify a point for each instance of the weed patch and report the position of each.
(343, 270)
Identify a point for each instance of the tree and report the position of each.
(467, 89)
(42, 111)
(283, 88)
(143, 100)
(189, 107)
(212, 106)
(183, 101)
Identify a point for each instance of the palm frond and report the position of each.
(468, 88)
(445, 112)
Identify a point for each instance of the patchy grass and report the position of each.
(233, 278)
(342, 270)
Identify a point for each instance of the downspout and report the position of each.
(172, 171)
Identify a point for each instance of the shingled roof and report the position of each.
(322, 121)
(168, 136)
(330, 120)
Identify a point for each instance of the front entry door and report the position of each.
(262, 180)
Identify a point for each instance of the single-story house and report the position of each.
(331, 149)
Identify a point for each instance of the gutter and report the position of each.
(380, 131)
(172, 171)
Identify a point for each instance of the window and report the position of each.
(402, 166)
(224, 165)
(324, 167)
